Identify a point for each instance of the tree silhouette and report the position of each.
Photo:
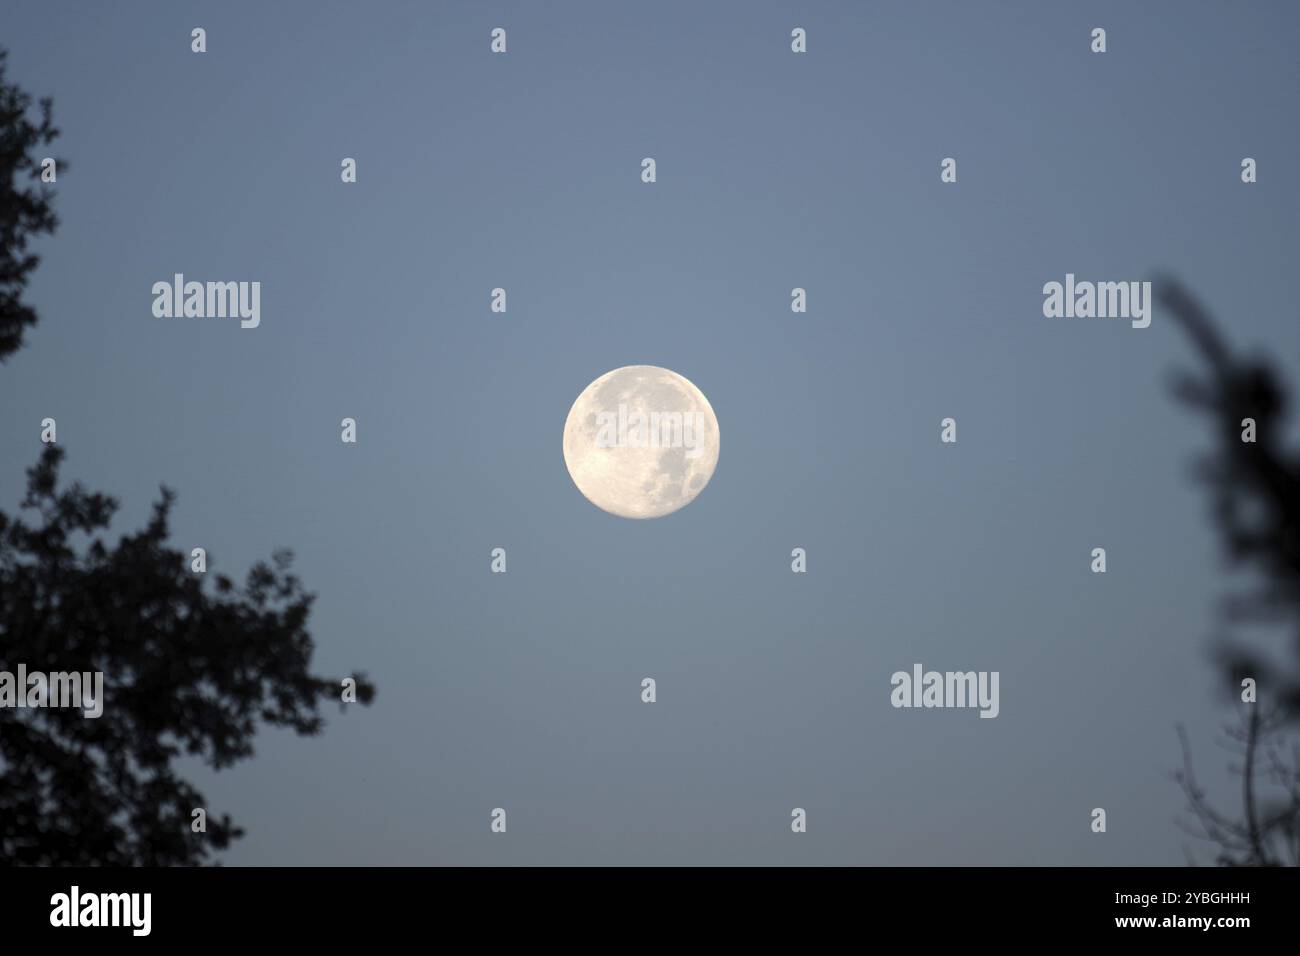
(26, 208)
(1255, 489)
(191, 666)
(1267, 760)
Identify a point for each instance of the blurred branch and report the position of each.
(1254, 481)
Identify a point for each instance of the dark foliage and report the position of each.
(26, 206)
(188, 669)
(192, 663)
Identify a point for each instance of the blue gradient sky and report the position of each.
(775, 171)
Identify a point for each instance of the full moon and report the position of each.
(641, 442)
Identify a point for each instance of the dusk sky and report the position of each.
(775, 170)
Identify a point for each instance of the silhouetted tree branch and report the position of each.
(1255, 488)
(26, 207)
(192, 663)
(1268, 763)
(188, 670)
